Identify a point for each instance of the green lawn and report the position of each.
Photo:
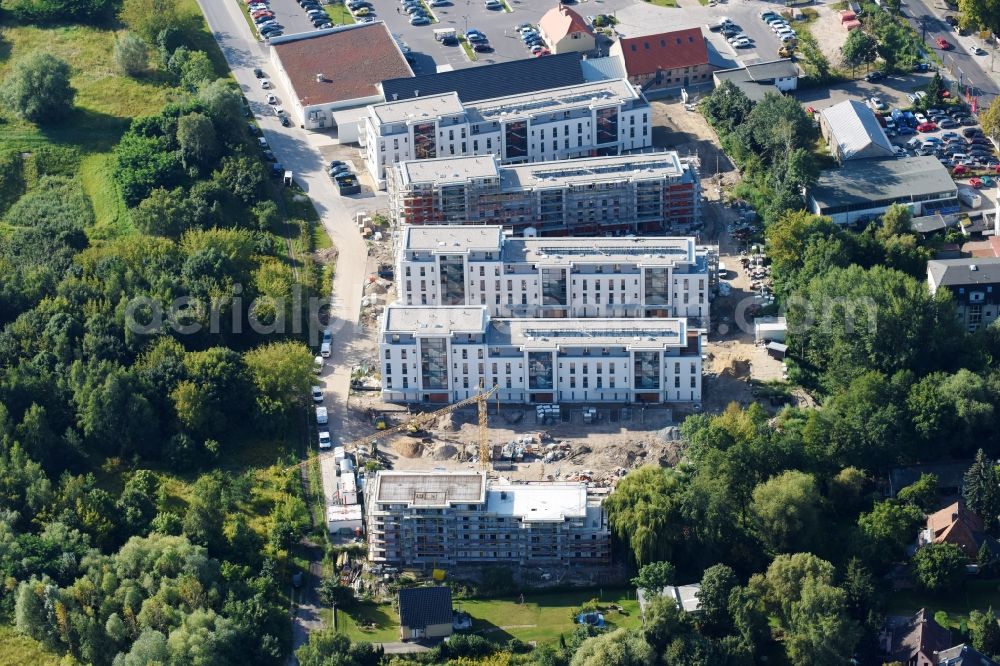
(664, 3)
(339, 15)
(467, 47)
(976, 595)
(542, 617)
(18, 650)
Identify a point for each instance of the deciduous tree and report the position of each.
(38, 89)
(787, 511)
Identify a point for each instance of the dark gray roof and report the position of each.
(498, 80)
(950, 475)
(890, 180)
(959, 272)
(964, 655)
(420, 607)
(926, 224)
(758, 79)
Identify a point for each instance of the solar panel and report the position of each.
(630, 251)
(600, 333)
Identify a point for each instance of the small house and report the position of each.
(425, 612)
(564, 31)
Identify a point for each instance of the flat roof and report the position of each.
(556, 99)
(648, 250)
(435, 320)
(541, 334)
(542, 502)
(495, 80)
(590, 170)
(353, 59)
(452, 238)
(343, 512)
(448, 170)
(865, 181)
(429, 107)
(429, 489)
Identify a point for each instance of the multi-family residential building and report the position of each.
(445, 353)
(647, 192)
(553, 277)
(974, 283)
(430, 519)
(588, 119)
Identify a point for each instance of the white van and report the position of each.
(441, 33)
(324, 350)
(322, 418)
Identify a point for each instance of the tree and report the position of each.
(940, 567)
(332, 593)
(196, 136)
(243, 176)
(980, 13)
(858, 49)
(149, 17)
(896, 219)
(859, 588)
(653, 577)
(330, 648)
(193, 68)
(617, 648)
(60, 11)
(644, 505)
(727, 106)
(817, 616)
(985, 632)
(38, 87)
(662, 622)
(282, 374)
(990, 119)
(890, 526)
(848, 489)
(163, 213)
(717, 583)
(922, 493)
(787, 510)
(131, 54)
(137, 503)
(981, 490)
(206, 512)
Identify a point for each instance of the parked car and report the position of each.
(475, 36)
(947, 123)
(543, 52)
(877, 104)
(493, 4)
(269, 156)
(926, 127)
(265, 84)
(258, 72)
(324, 439)
(285, 121)
(988, 181)
(450, 40)
(976, 182)
(950, 20)
(482, 47)
(317, 393)
(960, 170)
(743, 44)
(420, 20)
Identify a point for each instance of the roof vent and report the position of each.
(416, 93)
(320, 78)
(973, 267)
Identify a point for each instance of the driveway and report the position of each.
(300, 152)
(290, 15)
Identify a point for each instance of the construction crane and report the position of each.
(417, 421)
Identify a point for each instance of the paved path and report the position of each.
(299, 151)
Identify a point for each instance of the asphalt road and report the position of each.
(965, 68)
(298, 151)
(292, 17)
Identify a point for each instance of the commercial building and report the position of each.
(760, 78)
(863, 189)
(852, 132)
(440, 519)
(552, 277)
(334, 73)
(646, 192)
(974, 283)
(586, 120)
(565, 31)
(666, 60)
(444, 353)
(425, 612)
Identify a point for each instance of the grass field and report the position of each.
(976, 595)
(541, 618)
(339, 15)
(663, 3)
(18, 650)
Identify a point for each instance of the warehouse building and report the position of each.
(445, 353)
(639, 193)
(862, 190)
(586, 120)
(563, 277)
(437, 519)
(333, 74)
(853, 132)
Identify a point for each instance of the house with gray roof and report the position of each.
(425, 612)
(974, 283)
(963, 655)
(759, 78)
(853, 132)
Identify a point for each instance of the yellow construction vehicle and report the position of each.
(417, 422)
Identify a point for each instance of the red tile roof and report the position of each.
(353, 61)
(667, 50)
(561, 21)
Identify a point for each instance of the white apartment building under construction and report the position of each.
(584, 120)
(633, 193)
(437, 519)
(444, 354)
(553, 277)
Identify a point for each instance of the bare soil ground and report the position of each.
(829, 33)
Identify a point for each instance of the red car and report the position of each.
(943, 44)
(926, 127)
(262, 12)
(976, 183)
(960, 170)
(543, 52)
